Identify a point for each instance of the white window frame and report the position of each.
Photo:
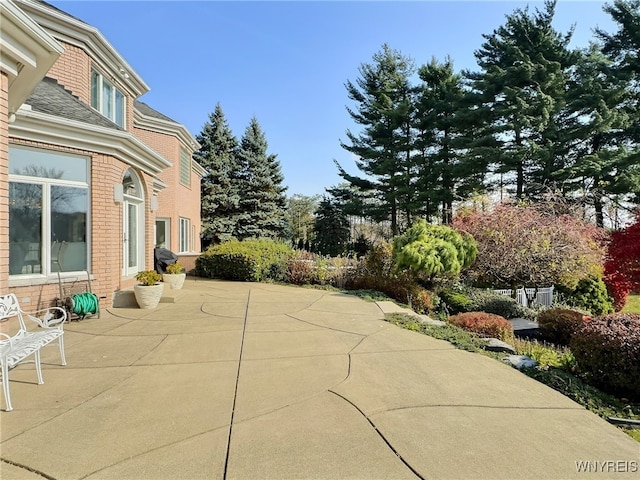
(184, 235)
(102, 104)
(46, 184)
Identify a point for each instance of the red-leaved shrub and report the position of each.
(400, 288)
(558, 325)
(607, 352)
(485, 324)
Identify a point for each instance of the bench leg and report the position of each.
(38, 367)
(61, 344)
(5, 386)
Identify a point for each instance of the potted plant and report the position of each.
(148, 291)
(174, 276)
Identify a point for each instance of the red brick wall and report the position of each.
(176, 200)
(4, 186)
(105, 232)
(73, 70)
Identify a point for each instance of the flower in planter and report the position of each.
(174, 268)
(148, 277)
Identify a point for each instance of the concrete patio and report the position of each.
(260, 381)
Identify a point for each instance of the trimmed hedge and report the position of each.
(607, 352)
(251, 260)
(482, 323)
(496, 303)
(558, 325)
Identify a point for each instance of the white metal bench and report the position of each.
(14, 348)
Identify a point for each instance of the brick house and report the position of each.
(91, 178)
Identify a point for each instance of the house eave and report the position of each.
(40, 127)
(75, 32)
(145, 122)
(27, 52)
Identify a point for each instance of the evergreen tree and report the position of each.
(331, 229)
(384, 99)
(596, 119)
(623, 48)
(520, 89)
(220, 195)
(444, 170)
(263, 202)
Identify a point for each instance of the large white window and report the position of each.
(107, 99)
(184, 231)
(48, 212)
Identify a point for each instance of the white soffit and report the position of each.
(27, 52)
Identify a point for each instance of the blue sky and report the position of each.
(286, 63)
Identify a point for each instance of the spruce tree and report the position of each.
(220, 197)
(263, 201)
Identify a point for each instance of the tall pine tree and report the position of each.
(521, 89)
(595, 122)
(263, 201)
(384, 106)
(220, 189)
(623, 48)
(445, 172)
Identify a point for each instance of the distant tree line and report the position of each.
(537, 117)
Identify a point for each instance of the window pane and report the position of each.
(107, 99)
(69, 207)
(47, 164)
(119, 108)
(95, 89)
(184, 235)
(25, 228)
(161, 234)
(132, 226)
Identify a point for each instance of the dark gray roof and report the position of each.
(150, 112)
(51, 98)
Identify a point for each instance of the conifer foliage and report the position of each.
(242, 193)
(220, 188)
(263, 202)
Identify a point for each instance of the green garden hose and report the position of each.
(83, 304)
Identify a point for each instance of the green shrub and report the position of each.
(558, 325)
(590, 294)
(456, 302)
(496, 303)
(249, 260)
(607, 352)
(379, 260)
(485, 324)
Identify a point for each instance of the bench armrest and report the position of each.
(46, 318)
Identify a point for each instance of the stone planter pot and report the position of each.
(148, 296)
(174, 280)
